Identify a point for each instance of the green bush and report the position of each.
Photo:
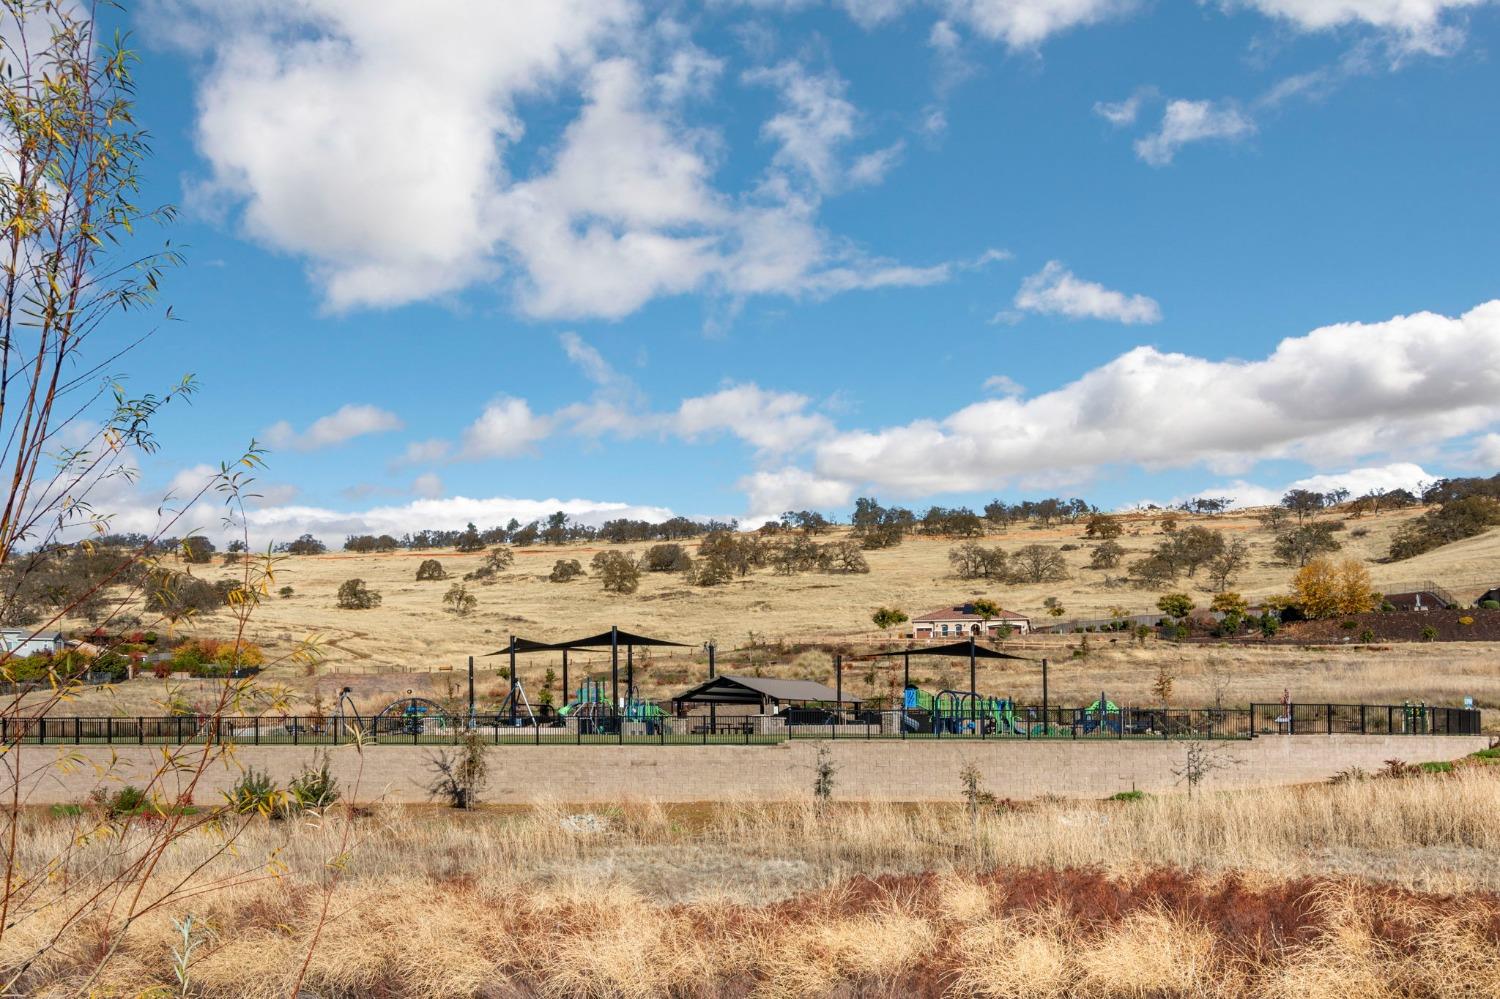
(1489, 605)
(314, 788)
(1436, 767)
(1128, 796)
(256, 792)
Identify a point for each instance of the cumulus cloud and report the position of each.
(1358, 481)
(773, 422)
(505, 429)
(771, 492)
(1022, 24)
(339, 427)
(1486, 452)
(1185, 122)
(1122, 113)
(1338, 394)
(1056, 291)
(377, 146)
(1003, 385)
(1417, 25)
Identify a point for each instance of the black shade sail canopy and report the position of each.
(525, 645)
(610, 638)
(955, 649)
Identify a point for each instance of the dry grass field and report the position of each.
(1379, 888)
(410, 642)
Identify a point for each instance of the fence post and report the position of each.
(41, 731)
(1329, 708)
(296, 728)
(109, 731)
(257, 730)
(140, 730)
(1361, 719)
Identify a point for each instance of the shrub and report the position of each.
(459, 600)
(1429, 633)
(177, 595)
(285, 592)
(315, 787)
(498, 560)
(667, 558)
(1466, 620)
(1489, 605)
(305, 545)
(354, 595)
(254, 792)
(430, 569)
(565, 570)
(460, 776)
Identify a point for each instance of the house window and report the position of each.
(945, 629)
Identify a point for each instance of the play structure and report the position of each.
(960, 712)
(412, 716)
(592, 710)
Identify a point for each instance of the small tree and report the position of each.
(459, 600)
(354, 595)
(1175, 605)
(430, 569)
(197, 550)
(886, 618)
(824, 772)
(617, 572)
(460, 776)
(1200, 759)
(1107, 555)
(1054, 607)
(1162, 685)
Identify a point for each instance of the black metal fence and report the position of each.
(633, 728)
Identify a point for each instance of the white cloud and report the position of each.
(374, 145)
(1122, 113)
(1418, 25)
(339, 427)
(273, 494)
(772, 422)
(871, 168)
(769, 493)
(1024, 24)
(428, 485)
(1358, 481)
(452, 513)
(1191, 121)
(1003, 385)
(505, 429)
(1338, 394)
(424, 452)
(1486, 452)
(1054, 290)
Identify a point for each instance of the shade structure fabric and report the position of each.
(725, 689)
(526, 645)
(608, 638)
(955, 649)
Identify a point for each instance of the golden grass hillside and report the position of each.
(411, 642)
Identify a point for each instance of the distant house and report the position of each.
(960, 621)
(18, 643)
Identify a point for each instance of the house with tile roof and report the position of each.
(961, 620)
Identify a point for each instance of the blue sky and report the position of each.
(463, 261)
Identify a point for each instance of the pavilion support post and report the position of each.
(513, 680)
(973, 686)
(473, 717)
(713, 711)
(566, 690)
(1044, 697)
(614, 671)
(630, 672)
(838, 680)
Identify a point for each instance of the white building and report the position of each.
(961, 621)
(18, 643)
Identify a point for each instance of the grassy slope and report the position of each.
(412, 631)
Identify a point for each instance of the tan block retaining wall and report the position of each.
(901, 771)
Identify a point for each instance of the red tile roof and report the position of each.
(965, 612)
